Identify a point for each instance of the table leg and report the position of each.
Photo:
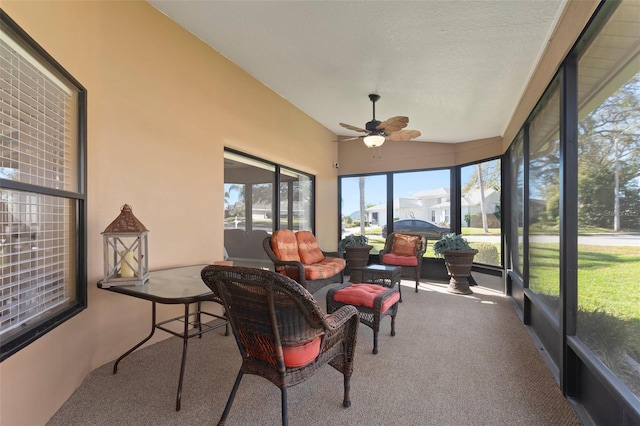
(153, 330)
(198, 319)
(185, 339)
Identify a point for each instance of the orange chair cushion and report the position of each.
(364, 295)
(285, 245)
(326, 268)
(398, 260)
(308, 249)
(301, 355)
(405, 245)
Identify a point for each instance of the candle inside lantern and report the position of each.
(126, 265)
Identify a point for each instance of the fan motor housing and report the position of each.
(371, 126)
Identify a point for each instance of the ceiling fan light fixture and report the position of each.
(373, 141)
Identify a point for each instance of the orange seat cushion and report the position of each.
(301, 355)
(285, 245)
(308, 249)
(326, 268)
(405, 245)
(399, 260)
(364, 295)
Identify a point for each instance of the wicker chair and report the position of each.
(281, 332)
(299, 271)
(412, 264)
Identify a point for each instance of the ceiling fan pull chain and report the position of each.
(377, 152)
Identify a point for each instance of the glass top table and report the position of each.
(169, 286)
(181, 285)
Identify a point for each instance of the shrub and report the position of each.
(487, 253)
(476, 220)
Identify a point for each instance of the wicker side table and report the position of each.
(385, 275)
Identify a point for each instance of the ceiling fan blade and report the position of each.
(354, 128)
(393, 124)
(403, 135)
(347, 138)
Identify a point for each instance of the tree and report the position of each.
(231, 188)
(487, 175)
(609, 147)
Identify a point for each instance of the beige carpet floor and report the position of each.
(455, 360)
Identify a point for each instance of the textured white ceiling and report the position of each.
(456, 68)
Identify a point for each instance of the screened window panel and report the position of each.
(481, 210)
(544, 207)
(608, 316)
(421, 205)
(517, 206)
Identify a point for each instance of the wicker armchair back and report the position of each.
(280, 329)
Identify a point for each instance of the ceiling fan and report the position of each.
(377, 132)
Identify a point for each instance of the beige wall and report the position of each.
(162, 106)
(355, 157)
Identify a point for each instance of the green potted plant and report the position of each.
(355, 249)
(458, 258)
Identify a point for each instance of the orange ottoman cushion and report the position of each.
(364, 295)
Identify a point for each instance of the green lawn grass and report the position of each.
(607, 277)
(608, 299)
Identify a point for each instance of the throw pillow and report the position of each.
(308, 249)
(405, 245)
(285, 245)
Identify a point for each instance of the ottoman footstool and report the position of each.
(372, 301)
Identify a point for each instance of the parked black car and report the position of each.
(417, 226)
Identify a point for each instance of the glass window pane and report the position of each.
(517, 206)
(364, 208)
(248, 203)
(480, 204)
(422, 204)
(544, 196)
(37, 256)
(609, 196)
(296, 193)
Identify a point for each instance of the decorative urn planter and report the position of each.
(355, 249)
(357, 258)
(458, 258)
(459, 263)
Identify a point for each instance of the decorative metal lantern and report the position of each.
(125, 251)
